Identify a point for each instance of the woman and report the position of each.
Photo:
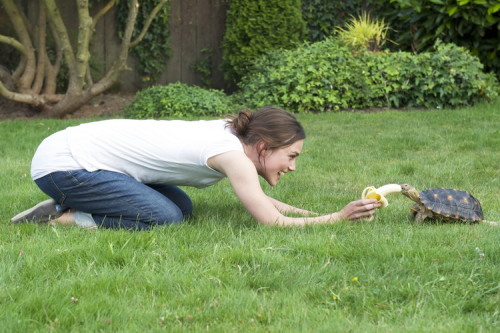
(125, 173)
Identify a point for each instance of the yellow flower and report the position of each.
(355, 279)
(335, 297)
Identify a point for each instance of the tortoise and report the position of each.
(444, 204)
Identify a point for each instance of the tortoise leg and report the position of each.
(414, 213)
(419, 218)
(421, 214)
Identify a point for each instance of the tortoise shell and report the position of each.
(452, 204)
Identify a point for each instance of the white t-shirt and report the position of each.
(173, 152)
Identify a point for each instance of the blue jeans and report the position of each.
(116, 200)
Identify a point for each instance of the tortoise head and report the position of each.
(410, 192)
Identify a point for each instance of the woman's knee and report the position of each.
(170, 215)
(187, 209)
(177, 196)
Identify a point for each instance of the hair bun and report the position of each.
(241, 121)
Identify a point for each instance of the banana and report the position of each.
(379, 193)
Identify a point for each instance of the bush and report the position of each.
(315, 77)
(471, 24)
(363, 32)
(328, 76)
(255, 27)
(323, 16)
(449, 76)
(179, 100)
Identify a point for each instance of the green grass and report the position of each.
(220, 271)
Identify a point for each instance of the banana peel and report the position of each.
(371, 192)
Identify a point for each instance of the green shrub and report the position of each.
(363, 32)
(255, 27)
(471, 24)
(448, 76)
(179, 100)
(328, 76)
(315, 77)
(322, 16)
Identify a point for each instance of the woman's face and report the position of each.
(276, 162)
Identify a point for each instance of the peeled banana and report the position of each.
(379, 193)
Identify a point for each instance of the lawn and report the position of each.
(221, 271)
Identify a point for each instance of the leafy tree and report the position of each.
(45, 48)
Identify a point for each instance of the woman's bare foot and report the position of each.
(67, 219)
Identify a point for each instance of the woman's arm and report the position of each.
(244, 179)
(286, 208)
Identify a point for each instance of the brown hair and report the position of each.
(274, 126)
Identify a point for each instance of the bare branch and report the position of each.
(121, 61)
(52, 98)
(90, 81)
(14, 43)
(40, 43)
(28, 74)
(50, 76)
(150, 19)
(102, 12)
(84, 34)
(52, 70)
(60, 30)
(27, 23)
(39, 101)
(57, 39)
(57, 63)
(32, 99)
(20, 69)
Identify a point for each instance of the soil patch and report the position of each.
(105, 105)
(111, 106)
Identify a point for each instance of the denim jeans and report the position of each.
(116, 200)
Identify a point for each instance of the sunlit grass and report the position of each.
(220, 271)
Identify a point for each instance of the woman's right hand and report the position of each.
(360, 209)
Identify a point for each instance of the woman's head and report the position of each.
(275, 138)
(274, 127)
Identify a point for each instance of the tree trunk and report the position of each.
(35, 76)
